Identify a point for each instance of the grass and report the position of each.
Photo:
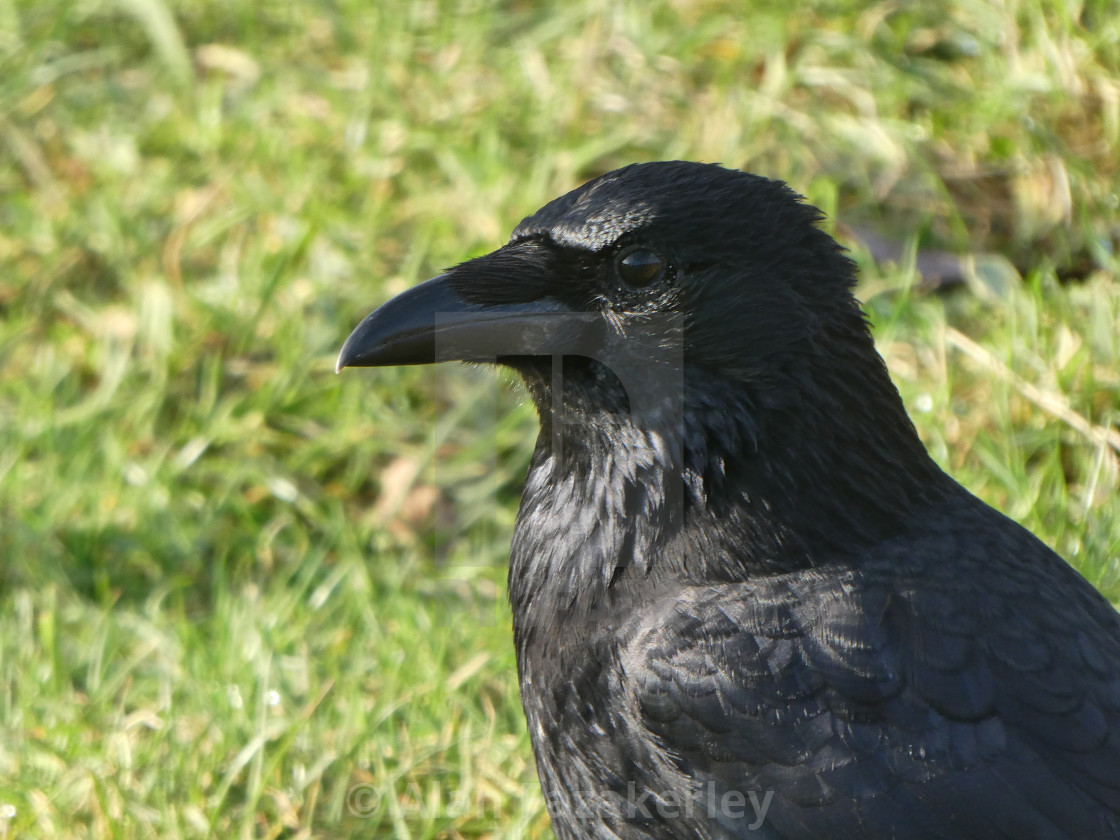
(242, 597)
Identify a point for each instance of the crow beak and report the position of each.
(402, 331)
(432, 323)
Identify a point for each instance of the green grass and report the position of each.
(237, 590)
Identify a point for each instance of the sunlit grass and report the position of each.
(243, 597)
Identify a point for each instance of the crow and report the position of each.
(746, 601)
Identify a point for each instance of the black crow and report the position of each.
(746, 601)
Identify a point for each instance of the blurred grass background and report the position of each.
(243, 597)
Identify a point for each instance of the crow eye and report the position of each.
(640, 267)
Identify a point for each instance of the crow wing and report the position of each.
(978, 697)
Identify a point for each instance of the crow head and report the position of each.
(635, 277)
